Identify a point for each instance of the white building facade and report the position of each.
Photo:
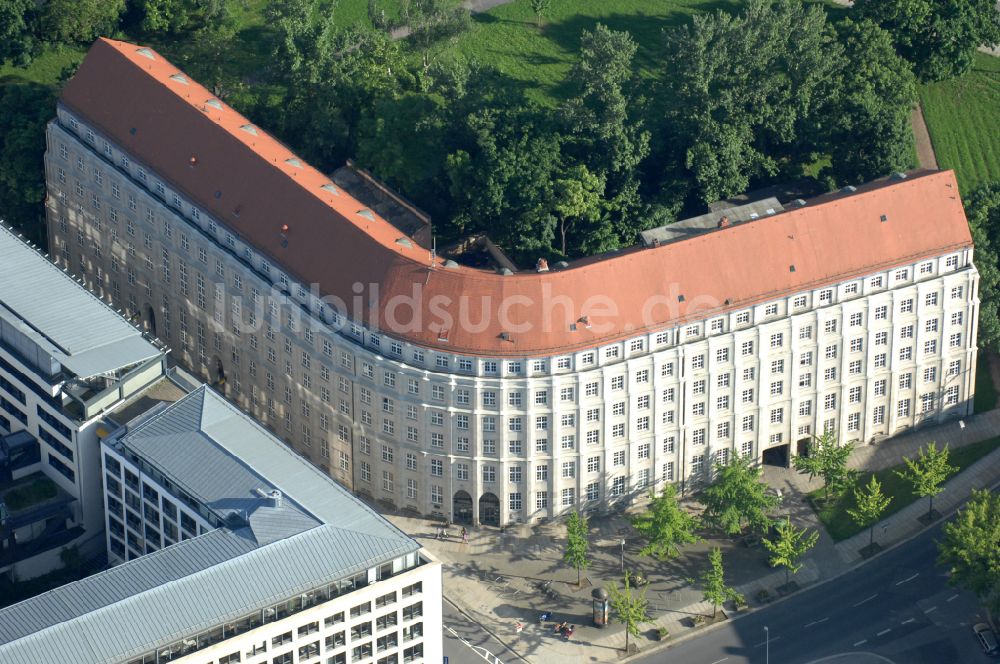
(496, 438)
(56, 383)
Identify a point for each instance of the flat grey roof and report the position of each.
(161, 597)
(320, 533)
(705, 222)
(62, 317)
(222, 457)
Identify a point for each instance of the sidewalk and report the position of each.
(496, 578)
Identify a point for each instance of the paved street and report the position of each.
(465, 642)
(496, 577)
(898, 608)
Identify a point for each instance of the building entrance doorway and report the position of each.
(150, 321)
(776, 456)
(489, 510)
(462, 508)
(802, 447)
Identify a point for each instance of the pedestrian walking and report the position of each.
(545, 617)
(518, 626)
(465, 536)
(560, 627)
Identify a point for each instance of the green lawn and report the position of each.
(507, 37)
(963, 118)
(839, 523)
(986, 391)
(45, 69)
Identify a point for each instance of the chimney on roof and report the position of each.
(724, 222)
(542, 265)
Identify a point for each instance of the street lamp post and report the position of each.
(623, 555)
(767, 645)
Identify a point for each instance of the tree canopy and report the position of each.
(665, 525)
(789, 545)
(928, 472)
(25, 109)
(938, 36)
(870, 504)
(629, 608)
(868, 118)
(737, 497)
(577, 544)
(970, 551)
(983, 211)
(741, 90)
(828, 459)
(713, 582)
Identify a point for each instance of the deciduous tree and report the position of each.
(927, 473)
(789, 545)
(541, 8)
(938, 36)
(983, 211)
(737, 91)
(871, 503)
(665, 525)
(604, 127)
(970, 548)
(827, 459)
(737, 497)
(577, 543)
(80, 21)
(18, 31)
(866, 126)
(629, 608)
(713, 582)
(25, 109)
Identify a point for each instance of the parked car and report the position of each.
(987, 639)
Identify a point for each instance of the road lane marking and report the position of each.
(816, 622)
(907, 622)
(933, 608)
(952, 598)
(860, 643)
(771, 640)
(866, 600)
(884, 631)
(899, 583)
(718, 661)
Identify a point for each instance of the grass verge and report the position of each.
(986, 391)
(962, 116)
(839, 523)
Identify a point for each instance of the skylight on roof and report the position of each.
(214, 103)
(292, 161)
(180, 78)
(145, 52)
(330, 188)
(367, 214)
(250, 129)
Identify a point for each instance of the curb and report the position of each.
(485, 628)
(862, 563)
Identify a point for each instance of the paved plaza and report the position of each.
(502, 578)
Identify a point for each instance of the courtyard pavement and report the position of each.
(498, 578)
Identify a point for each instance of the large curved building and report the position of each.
(498, 396)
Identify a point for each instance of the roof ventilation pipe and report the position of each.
(275, 497)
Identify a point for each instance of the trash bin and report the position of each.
(600, 596)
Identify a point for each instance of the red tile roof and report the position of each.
(255, 185)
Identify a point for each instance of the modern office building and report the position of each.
(499, 396)
(238, 550)
(66, 358)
